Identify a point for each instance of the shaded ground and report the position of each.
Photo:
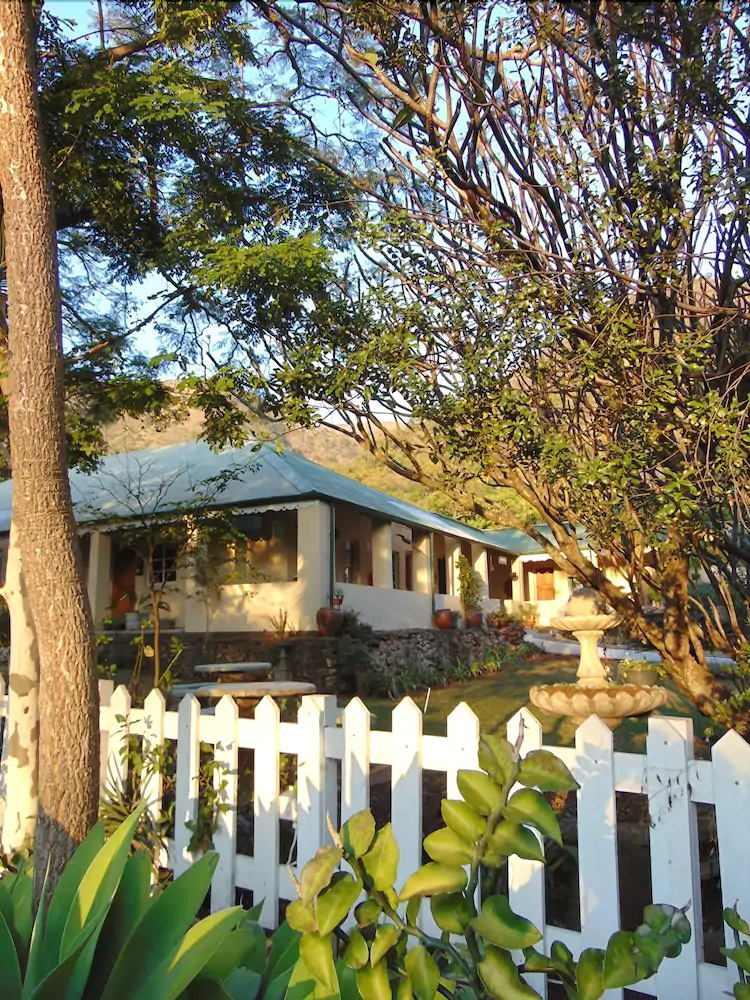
(497, 697)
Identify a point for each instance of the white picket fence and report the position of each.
(335, 750)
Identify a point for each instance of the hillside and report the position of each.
(319, 444)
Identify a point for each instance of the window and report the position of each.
(351, 561)
(394, 563)
(409, 571)
(164, 564)
(442, 575)
(268, 551)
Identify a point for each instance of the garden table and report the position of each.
(233, 668)
(253, 689)
(244, 689)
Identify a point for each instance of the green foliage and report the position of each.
(631, 664)
(481, 832)
(412, 677)
(354, 645)
(104, 934)
(740, 954)
(141, 765)
(469, 583)
(737, 701)
(543, 325)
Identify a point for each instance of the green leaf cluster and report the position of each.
(740, 954)
(474, 953)
(104, 934)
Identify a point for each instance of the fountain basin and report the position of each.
(586, 623)
(612, 703)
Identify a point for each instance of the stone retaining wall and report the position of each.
(362, 663)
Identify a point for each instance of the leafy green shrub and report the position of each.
(631, 665)
(474, 952)
(416, 677)
(103, 935)
(354, 646)
(469, 583)
(740, 954)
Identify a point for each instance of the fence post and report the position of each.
(106, 689)
(526, 878)
(598, 874)
(154, 708)
(266, 811)
(675, 863)
(226, 782)
(355, 766)
(731, 766)
(312, 790)
(3, 748)
(117, 763)
(187, 782)
(406, 787)
(462, 729)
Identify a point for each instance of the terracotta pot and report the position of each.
(330, 621)
(445, 618)
(473, 619)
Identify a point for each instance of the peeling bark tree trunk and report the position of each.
(20, 765)
(42, 508)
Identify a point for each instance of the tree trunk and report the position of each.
(42, 508)
(20, 762)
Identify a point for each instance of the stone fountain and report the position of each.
(587, 617)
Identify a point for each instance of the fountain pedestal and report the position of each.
(593, 694)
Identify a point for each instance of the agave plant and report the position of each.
(106, 935)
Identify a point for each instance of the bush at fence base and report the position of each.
(740, 954)
(473, 953)
(106, 936)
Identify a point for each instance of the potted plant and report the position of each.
(500, 618)
(445, 618)
(330, 620)
(529, 615)
(134, 617)
(469, 583)
(641, 672)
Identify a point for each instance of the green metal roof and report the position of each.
(161, 479)
(513, 540)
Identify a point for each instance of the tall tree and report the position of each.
(164, 170)
(551, 284)
(42, 507)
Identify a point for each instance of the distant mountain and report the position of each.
(319, 444)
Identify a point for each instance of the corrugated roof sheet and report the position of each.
(513, 540)
(160, 479)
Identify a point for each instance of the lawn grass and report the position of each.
(495, 698)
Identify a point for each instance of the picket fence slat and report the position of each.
(266, 836)
(597, 834)
(338, 754)
(675, 863)
(311, 801)
(355, 767)
(226, 785)
(187, 780)
(119, 720)
(526, 878)
(731, 775)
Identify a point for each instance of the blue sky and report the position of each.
(81, 11)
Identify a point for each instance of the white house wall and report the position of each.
(388, 609)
